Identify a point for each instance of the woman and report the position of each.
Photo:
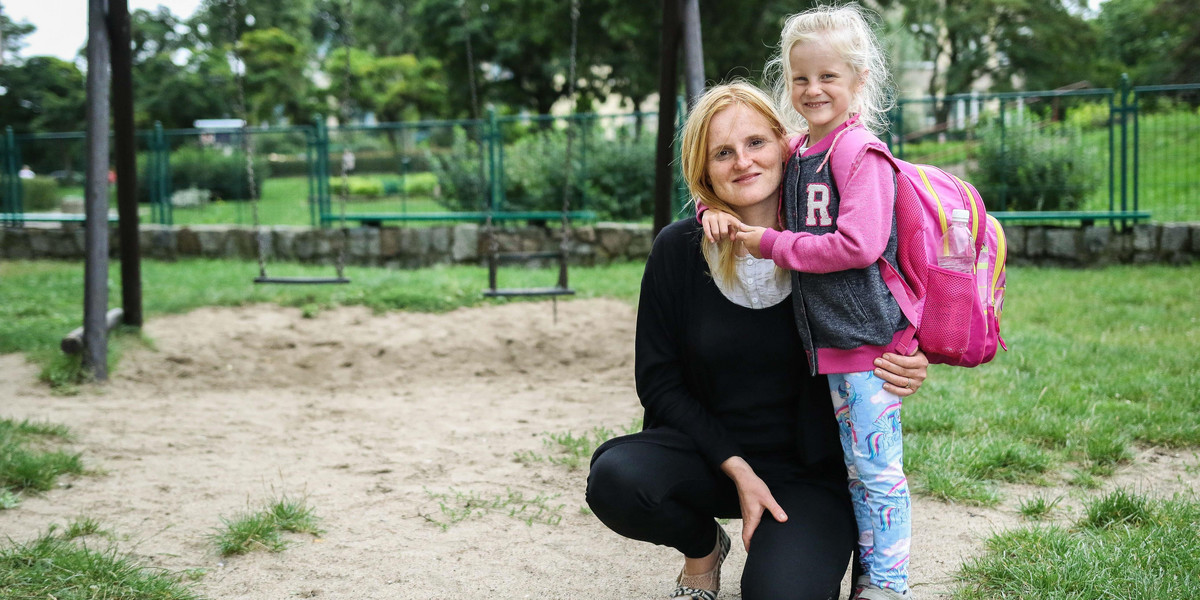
(732, 426)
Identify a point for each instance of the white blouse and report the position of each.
(758, 283)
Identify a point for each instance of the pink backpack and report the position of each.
(954, 317)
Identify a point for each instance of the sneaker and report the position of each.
(873, 592)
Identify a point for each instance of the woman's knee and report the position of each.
(613, 485)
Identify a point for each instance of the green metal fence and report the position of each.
(1069, 155)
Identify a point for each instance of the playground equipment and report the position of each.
(261, 235)
(494, 256)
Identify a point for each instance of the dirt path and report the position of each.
(372, 418)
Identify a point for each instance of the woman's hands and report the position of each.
(902, 375)
(753, 496)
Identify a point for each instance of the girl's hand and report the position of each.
(751, 238)
(719, 225)
(753, 496)
(902, 375)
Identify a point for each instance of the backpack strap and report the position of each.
(847, 149)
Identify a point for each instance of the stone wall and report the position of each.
(413, 247)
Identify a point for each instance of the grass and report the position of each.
(262, 529)
(54, 566)
(30, 459)
(1100, 361)
(41, 301)
(284, 201)
(455, 506)
(574, 451)
(1038, 508)
(1127, 546)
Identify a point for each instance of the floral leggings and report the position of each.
(869, 425)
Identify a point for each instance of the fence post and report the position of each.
(1124, 111)
(324, 200)
(12, 201)
(1004, 153)
(310, 155)
(1137, 147)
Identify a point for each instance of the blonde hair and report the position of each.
(694, 158)
(848, 29)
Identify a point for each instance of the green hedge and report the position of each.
(1032, 168)
(212, 169)
(364, 162)
(613, 178)
(39, 194)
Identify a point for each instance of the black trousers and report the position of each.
(655, 487)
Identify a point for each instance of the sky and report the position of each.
(62, 24)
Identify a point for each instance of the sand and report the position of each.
(374, 419)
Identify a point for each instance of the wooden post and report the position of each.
(667, 85)
(693, 51)
(126, 161)
(95, 281)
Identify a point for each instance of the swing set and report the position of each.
(491, 216)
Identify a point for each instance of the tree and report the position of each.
(11, 35)
(1038, 41)
(275, 77)
(44, 94)
(1153, 41)
(175, 80)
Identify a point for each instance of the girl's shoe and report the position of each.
(705, 585)
(861, 583)
(877, 593)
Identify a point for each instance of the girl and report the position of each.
(831, 77)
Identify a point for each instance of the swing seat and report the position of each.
(301, 280)
(512, 292)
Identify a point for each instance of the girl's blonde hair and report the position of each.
(848, 28)
(694, 158)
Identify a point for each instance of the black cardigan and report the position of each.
(733, 379)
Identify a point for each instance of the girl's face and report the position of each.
(745, 158)
(823, 86)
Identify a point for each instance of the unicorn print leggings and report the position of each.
(869, 426)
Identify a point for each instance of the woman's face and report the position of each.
(745, 157)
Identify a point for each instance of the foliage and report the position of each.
(42, 94)
(260, 529)
(11, 37)
(39, 194)
(461, 174)
(221, 172)
(1038, 41)
(1066, 397)
(1033, 168)
(394, 88)
(620, 179)
(276, 82)
(359, 187)
(1128, 546)
(1153, 41)
(53, 567)
(29, 459)
(616, 179)
(456, 506)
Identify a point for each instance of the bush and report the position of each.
(1030, 168)
(364, 162)
(620, 184)
(220, 171)
(463, 184)
(40, 194)
(360, 187)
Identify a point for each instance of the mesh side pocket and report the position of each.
(946, 320)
